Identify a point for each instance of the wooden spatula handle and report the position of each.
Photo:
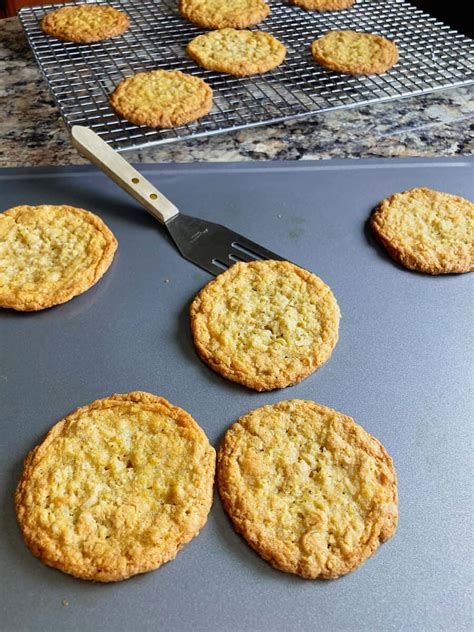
(92, 147)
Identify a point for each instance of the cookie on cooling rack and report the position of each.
(309, 489)
(427, 230)
(355, 53)
(265, 324)
(85, 23)
(323, 5)
(162, 98)
(219, 14)
(49, 254)
(116, 488)
(237, 52)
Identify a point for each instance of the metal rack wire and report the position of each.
(82, 76)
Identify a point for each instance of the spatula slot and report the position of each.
(245, 250)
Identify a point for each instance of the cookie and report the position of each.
(85, 23)
(265, 324)
(323, 5)
(355, 53)
(49, 254)
(220, 14)
(427, 230)
(240, 53)
(162, 98)
(309, 489)
(116, 488)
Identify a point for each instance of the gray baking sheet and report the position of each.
(403, 368)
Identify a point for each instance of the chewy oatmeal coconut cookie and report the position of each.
(427, 230)
(323, 5)
(116, 488)
(355, 53)
(265, 324)
(49, 254)
(85, 23)
(162, 98)
(309, 489)
(220, 14)
(237, 52)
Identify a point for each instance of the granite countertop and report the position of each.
(32, 132)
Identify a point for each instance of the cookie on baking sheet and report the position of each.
(162, 98)
(323, 5)
(265, 324)
(49, 254)
(427, 230)
(220, 14)
(309, 489)
(237, 52)
(85, 23)
(355, 53)
(116, 488)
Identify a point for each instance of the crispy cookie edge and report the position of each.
(273, 551)
(83, 571)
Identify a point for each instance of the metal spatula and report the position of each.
(208, 245)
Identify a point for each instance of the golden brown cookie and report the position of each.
(116, 488)
(309, 489)
(220, 14)
(162, 98)
(85, 23)
(323, 5)
(265, 324)
(355, 53)
(237, 52)
(49, 254)
(427, 230)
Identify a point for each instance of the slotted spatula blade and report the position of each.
(213, 246)
(210, 246)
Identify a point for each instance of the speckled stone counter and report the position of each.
(32, 132)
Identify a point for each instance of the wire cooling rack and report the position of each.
(82, 76)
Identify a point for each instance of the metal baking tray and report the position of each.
(81, 77)
(403, 368)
